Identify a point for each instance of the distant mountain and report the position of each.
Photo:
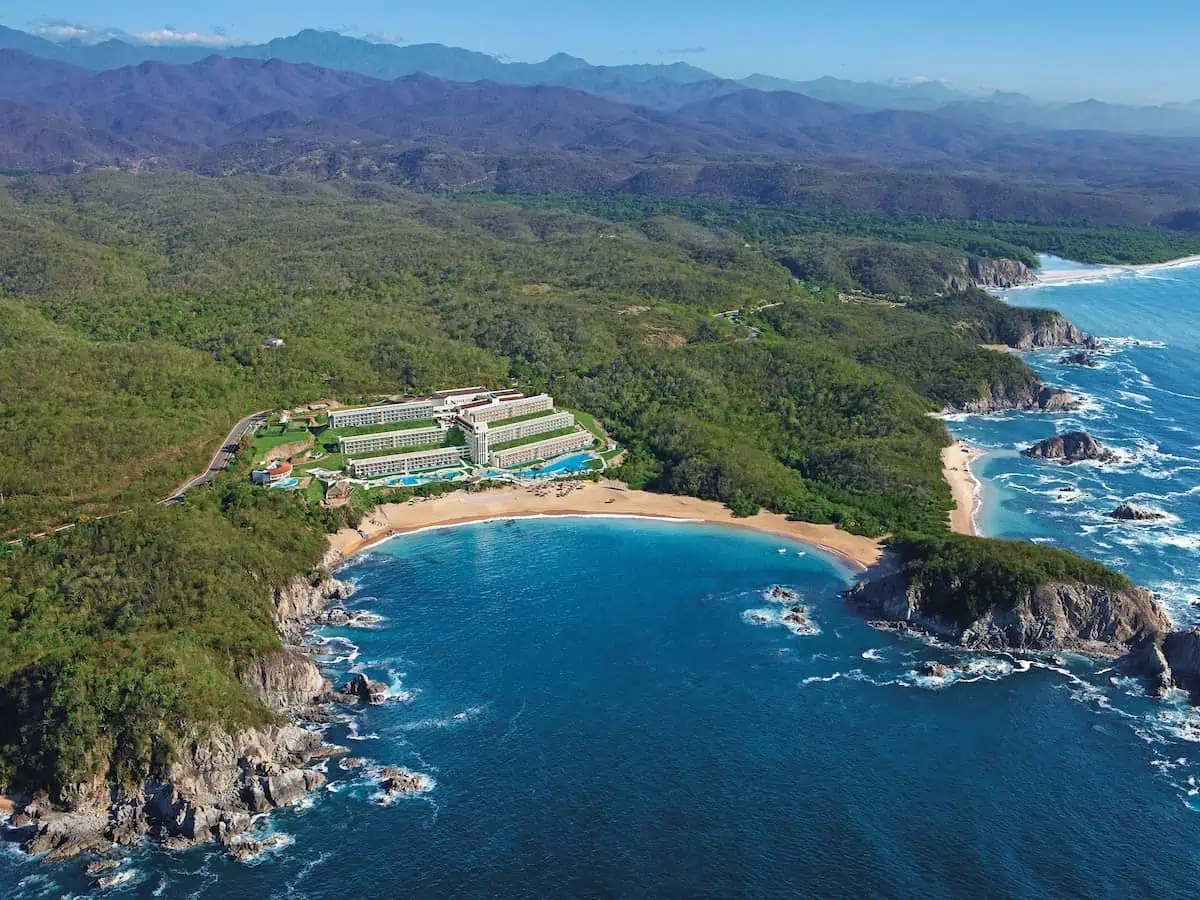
(331, 50)
(1180, 120)
(924, 95)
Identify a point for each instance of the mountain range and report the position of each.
(665, 87)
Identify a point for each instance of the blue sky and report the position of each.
(1061, 48)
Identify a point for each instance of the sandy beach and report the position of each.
(956, 462)
(1111, 271)
(587, 498)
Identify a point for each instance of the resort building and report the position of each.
(412, 411)
(509, 407)
(387, 440)
(404, 463)
(482, 437)
(545, 449)
(273, 474)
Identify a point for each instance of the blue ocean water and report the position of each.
(611, 707)
(1143, 400)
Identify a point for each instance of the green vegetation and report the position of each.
(273, 436)
(528, 417)
(533, 439)
(131, 311)
(1008, 240)
(119, 634)
(588, 421)
(964, 577)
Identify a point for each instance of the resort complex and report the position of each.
(465, 434)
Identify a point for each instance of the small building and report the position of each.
(273, 474)
(272, 342)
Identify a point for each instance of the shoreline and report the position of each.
(1058, 277)
(587, 499)
(964, 486)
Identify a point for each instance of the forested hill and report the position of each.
(138, 305)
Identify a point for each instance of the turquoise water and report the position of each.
(1144, 401)
(610, 707)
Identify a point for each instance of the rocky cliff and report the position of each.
(1168, 661)
(1036, 397)
(1083, 618)
(1054, 330)
(985, 272)
(216, 781)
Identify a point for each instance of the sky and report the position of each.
(1061, 49)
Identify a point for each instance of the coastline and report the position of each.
(605, 498)
(1049, 278)
(964, 485)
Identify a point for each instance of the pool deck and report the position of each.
(587, 498)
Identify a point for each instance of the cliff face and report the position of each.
(1037, 397)
(1168, 661)
(1082, 618)
(217, 781)
(299, 604)
(984, 272)
(1056, 331)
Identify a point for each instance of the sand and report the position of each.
(956, 463)
(1110, 271)
(587, 498)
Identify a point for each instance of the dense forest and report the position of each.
(132, 320)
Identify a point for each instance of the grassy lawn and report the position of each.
(595, 465)
(588, 421)
(533, 439)
(610, 455)
(266, 439)
(376, 429)
(500, 423)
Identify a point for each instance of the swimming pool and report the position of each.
(286, 484)
(556, 468)
(419, 479)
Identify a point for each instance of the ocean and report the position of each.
(614, 707)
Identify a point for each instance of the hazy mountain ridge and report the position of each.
(668, 86)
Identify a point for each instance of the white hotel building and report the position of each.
(505, 408)
(412, 411)
(567, 443)
(405, 463)
(482, 437)
(387, 440)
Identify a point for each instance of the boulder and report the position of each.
(1128, 512)
(285, 682)
(401, 782)
(99, 866)
(362, 689)
(1079, 358)
(932, 669)
(1073, 447)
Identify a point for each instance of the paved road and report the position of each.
(220, 460)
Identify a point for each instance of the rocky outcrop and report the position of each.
(209, 792)
(1128, 512)
(402, 783)
(1036, 397)
(1079, 358)
(1076, 446)
(1083, 618)
(361, 689)
(286, 682)
(985, 272)
(1055, 331)
(1166, 662)
(299, 604)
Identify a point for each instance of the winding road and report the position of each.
(220, 461)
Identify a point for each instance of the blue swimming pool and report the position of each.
(286, 484)
(419, 479)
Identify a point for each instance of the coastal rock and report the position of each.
(362, 689)
(300, 603)
(986, 272)
(1082, 618)
(1073, 447)
(933, 669)
(285, 682)
(100, 866)
(1055, 331)
(401, 782)
(1128, 512)
(1079, 358)
(1036, 397)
